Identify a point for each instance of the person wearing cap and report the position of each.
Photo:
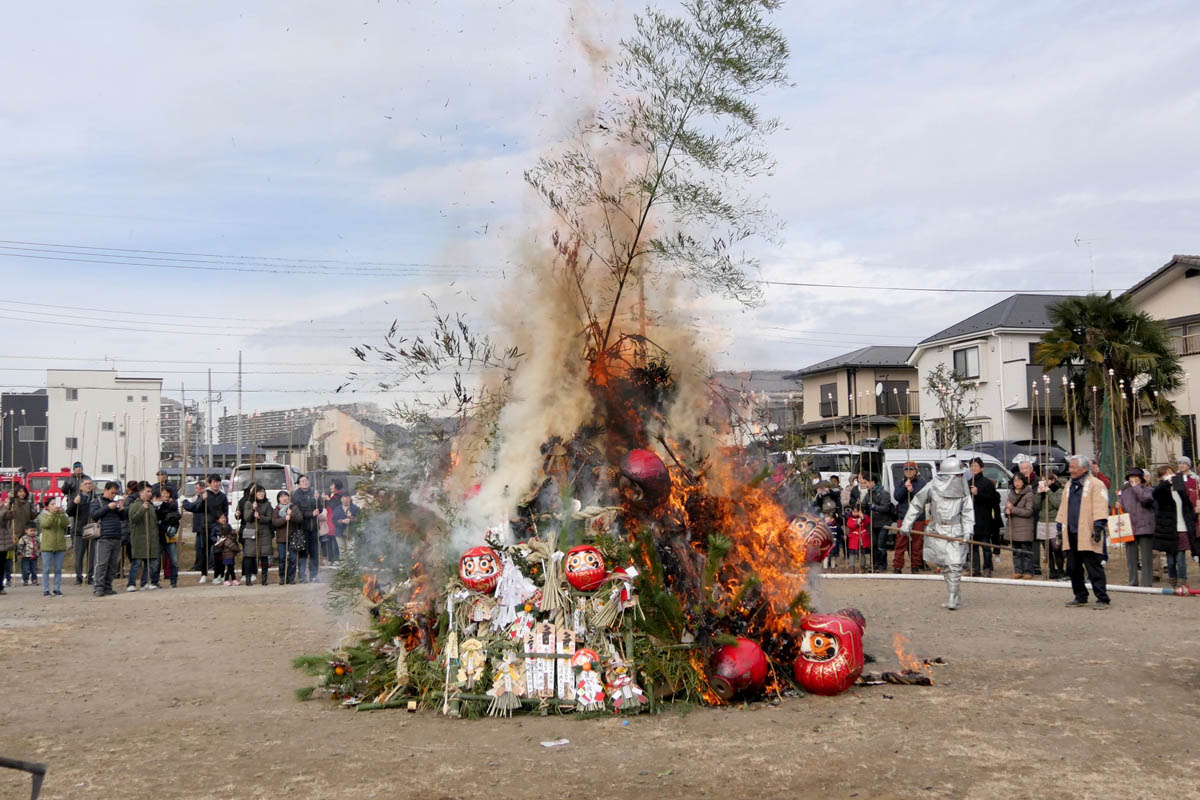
(1137, 500)
(1183, 468)
(951, 514)
(164, 485)
(903, 495)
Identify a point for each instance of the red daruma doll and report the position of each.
(479, 569)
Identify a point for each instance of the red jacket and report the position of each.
(858, 533)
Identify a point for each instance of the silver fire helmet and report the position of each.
(950, 466)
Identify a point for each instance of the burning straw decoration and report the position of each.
(592, 433)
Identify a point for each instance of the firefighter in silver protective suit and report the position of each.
(950, 513)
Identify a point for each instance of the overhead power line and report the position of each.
(859, 287)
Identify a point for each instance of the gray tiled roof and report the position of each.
(873, 356)
(1015, 311)
(1180, 260)
(758, 380)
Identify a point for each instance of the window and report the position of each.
(31, 433)
(998, 475)
(828, 397)
(122, 434)
(1188, 446)
(974, 434)
(924, 471)
(128, 398)
(72, 443)
(145, 399)
(72, 394)
(108, 468)
(966, 362)
(895, 398)
(106, 426)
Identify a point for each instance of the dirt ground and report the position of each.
(187, 693)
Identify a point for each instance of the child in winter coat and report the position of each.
(220, 529)
(225, 552)
(29, 549)
(835, 529)
(858, 539)
(52, 523)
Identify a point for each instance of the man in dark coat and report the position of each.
(903, 495)
(79, 513)
(110, 512)
(306, 502)
(164, 485)
(986, 500)
(206, 507)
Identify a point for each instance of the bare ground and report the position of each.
(187, 693)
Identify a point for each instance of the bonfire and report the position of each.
(584, 535)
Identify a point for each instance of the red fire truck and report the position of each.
(44, 485)
(10, 478)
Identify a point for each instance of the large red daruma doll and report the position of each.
(817, 538)
(737, 669)
(831, 654)
(479, 569)
(585, 568)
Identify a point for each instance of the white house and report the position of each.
(995, 348)
(108, 422)
(1172, 293)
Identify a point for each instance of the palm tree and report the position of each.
(1103, 340)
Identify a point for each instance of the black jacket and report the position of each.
(168, 516)
(80, 514)
(306, 501)
(881, 507)
(986, 502)
(206, 510)
(903, 497)
(113, 522)
(1166, 535)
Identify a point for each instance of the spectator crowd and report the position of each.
(1163, 509)
(134, 532)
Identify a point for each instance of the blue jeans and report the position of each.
(170, 555)
(288, 560)
(135, 569)
(52, 561)
(29, 570)
(1177, 564)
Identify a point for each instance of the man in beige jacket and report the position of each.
(1083, 516)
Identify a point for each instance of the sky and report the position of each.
(184, 181)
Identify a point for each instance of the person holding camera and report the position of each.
(108, 510)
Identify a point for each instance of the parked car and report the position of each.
(1005, 450)
(274, 477)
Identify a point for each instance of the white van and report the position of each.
(272, 476)
(845, 461)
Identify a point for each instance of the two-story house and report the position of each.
(1172, 293)
(994, 348)
(858, 395)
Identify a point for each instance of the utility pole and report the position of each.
(183, 435)
(238, 452)
(210, 427)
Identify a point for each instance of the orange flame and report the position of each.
(907, 660)
(371, 589)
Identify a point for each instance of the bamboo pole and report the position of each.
(945, 538)
(1181, 591)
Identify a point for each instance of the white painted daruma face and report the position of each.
(583, 561)
(818, 646)
(479, 567)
